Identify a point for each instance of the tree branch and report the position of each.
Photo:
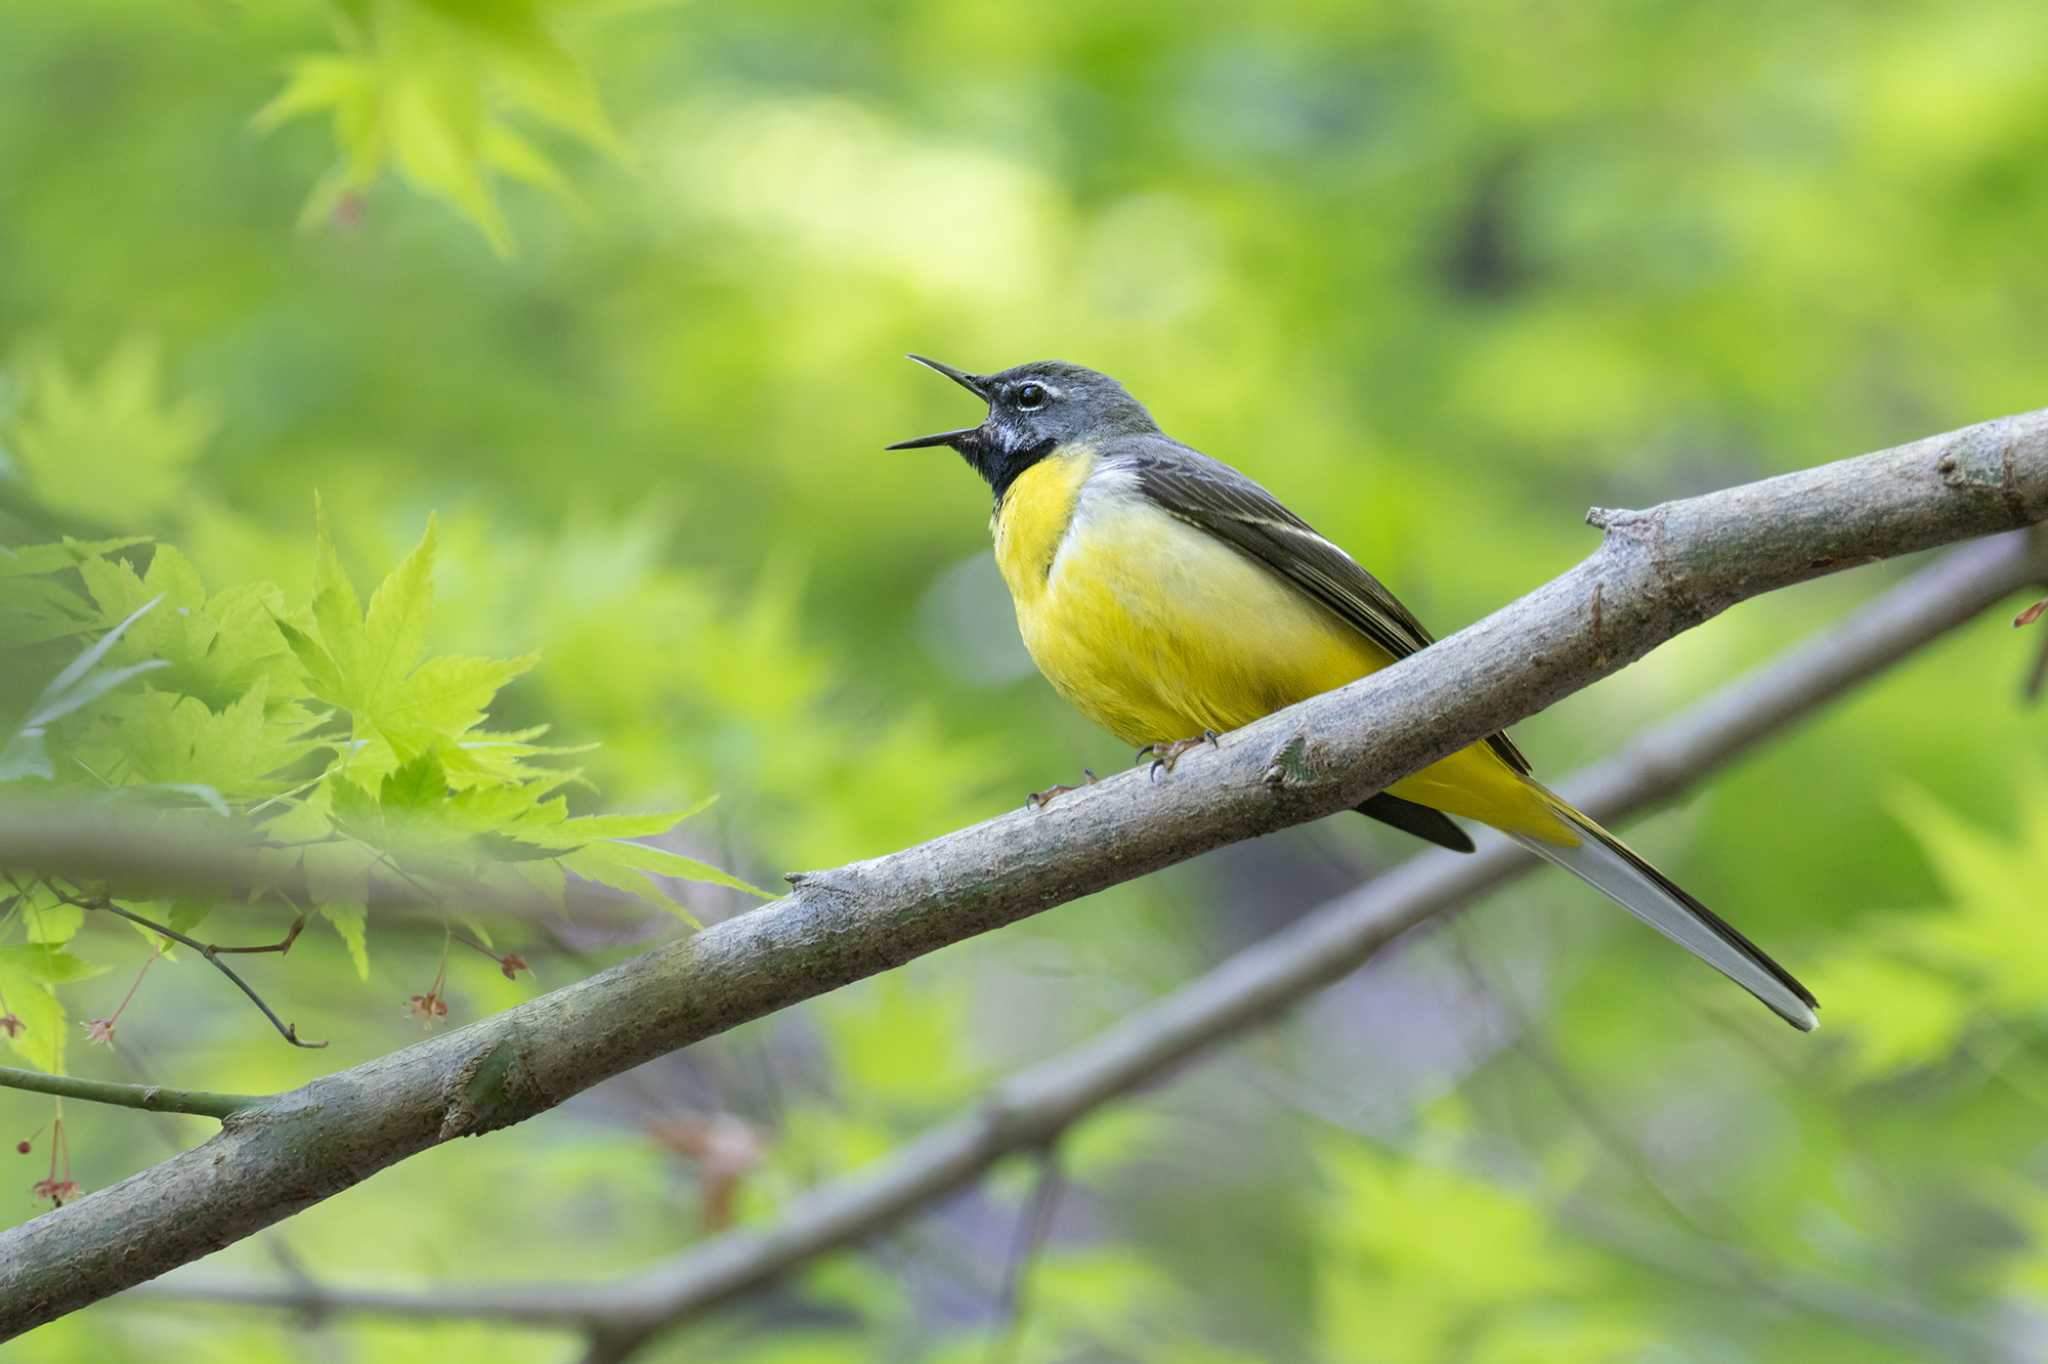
(1658, 572)
(156, 1098)
(1033, 1106)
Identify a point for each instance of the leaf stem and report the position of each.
(156, 1098)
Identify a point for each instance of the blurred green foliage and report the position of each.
(435, 89)
(620, 290)
(211, 705)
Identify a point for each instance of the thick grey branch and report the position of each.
(1035, 1105)
(1656, 573)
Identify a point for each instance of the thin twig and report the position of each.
(1032, 1225)
(288, 1031)
(155, 1098)
(281, 946)
(2037, 676)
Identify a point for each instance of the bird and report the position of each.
(1169, 598)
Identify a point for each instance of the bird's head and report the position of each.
(1033, 410)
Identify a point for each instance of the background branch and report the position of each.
(1035, 1105)
(1657, 572)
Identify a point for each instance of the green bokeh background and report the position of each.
(1441, 276)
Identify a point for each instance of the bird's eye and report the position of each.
(1029, 397)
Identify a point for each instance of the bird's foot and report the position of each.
(1164, 756)
(1038, 800)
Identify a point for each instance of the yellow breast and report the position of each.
(1156, 630)
(1031, 521)
(1152, 628)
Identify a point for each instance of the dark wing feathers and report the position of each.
(1432, 825)
(1217, 498)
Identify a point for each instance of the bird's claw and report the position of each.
(1038, 800)
(1164, 756)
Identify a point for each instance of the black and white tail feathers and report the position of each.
(1611, 867)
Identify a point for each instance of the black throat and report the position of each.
(1003, 467)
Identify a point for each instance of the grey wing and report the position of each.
(1211, 495)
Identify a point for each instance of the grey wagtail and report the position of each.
(1166, 595)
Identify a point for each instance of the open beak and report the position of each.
(970, 382)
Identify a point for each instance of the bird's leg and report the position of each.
(1038, 800)
(1164, 756)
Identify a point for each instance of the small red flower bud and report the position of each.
(428, 1008)
(23, 1147)
(58, 1191)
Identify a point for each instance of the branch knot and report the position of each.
(492, 1089)
(1290, 768)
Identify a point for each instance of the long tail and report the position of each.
(1613, 868)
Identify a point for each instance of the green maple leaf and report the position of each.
(601, 848)
(408, 820)
(421, 797)
(45, 965)
(46, 919)
(633, 867)
(36, 610)
(43, 1023)
(427, 90)
(1912, 987)
(1993, 888)
(164, 739)
(109, 447)
(417, 785)
(368, 663)
(350, 922)
(484, 758)
(81, 682)
(214, 648)
(35, 560)
(34, 606)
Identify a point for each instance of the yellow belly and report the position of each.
(1157, 631)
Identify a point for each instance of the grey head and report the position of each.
(1033, 410)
